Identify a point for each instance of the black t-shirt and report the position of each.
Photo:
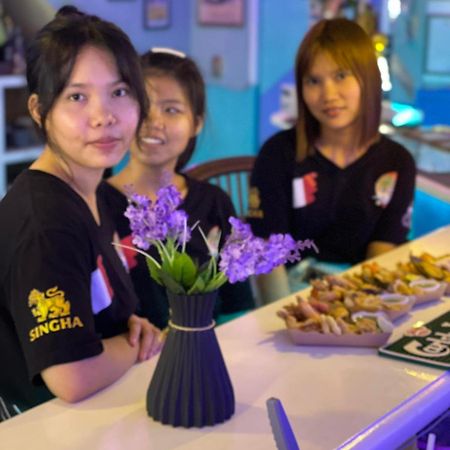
(343, 210)
(205, 203)
(63, 287)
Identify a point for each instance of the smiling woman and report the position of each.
(158, 155)
(67, 307)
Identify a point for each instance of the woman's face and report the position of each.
(332, 95)
(169, 126)
(94, 119)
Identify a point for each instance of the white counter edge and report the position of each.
(394, 429)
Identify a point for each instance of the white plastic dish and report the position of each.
(429, 289)
(396, 305)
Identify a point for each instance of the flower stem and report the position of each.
(139, 251)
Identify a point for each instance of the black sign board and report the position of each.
(426, 344)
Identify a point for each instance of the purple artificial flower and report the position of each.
(160, 223)
(159, 220)
(244, 254)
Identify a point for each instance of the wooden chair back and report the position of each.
(231, 174)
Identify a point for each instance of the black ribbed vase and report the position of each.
(191, 386)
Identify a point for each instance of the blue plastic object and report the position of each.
(281, 428)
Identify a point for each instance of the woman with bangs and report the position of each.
(333, 177)
(68, 323)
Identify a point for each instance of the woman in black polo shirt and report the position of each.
(333, 178)
(67, 307)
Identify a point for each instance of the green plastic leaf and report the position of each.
(171, 284)
(210, 269)
(215, 282)
(155, 271)
(198, 287)
(184, 269)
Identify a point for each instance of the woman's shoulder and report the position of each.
(391, 150)
(209, 204)
(205, 190)
(39, 203)
(207, 198)
(281, 143)
(111, 195)
(44, 195)
(388, 144)
(108, 189)
(276, 159)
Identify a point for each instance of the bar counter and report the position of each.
(335, 397)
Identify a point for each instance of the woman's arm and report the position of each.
(272, 286)
(394, 223)
(77, 380)
(376, 248)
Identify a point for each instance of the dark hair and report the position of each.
(187, 74)
(52, 53)
(352, 49)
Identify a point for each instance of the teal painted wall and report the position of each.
(230, 126)
(280, 31)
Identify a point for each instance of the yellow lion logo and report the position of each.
(48, 305)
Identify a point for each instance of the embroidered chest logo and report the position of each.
(384, 188)
(51, 311)
(304, 189)
(254, 202)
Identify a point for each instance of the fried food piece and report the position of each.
(334, 327)
(324, 324)
(306, 309)
(293, 310)
(428, 269)
(400, 287)
(309, 325)
(346, 328)
(291, 322)
(367, 325)
(352, 280)
(338, 310)
(328, 296)
(370, 303)
(320, 306)
(320, 284)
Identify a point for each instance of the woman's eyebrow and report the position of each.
(80, 85)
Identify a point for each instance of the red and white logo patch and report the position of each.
(304, 189)
(128, 254)
(101, 290)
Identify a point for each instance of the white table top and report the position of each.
(348, 397)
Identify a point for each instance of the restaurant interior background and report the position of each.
(246, 50)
